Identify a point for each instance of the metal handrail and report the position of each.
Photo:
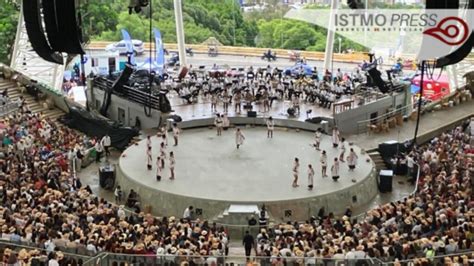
(381, 117)
(10, 244)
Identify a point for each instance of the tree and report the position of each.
(8, 24)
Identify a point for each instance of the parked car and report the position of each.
(121, 47)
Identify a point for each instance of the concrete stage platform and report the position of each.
(211, 174)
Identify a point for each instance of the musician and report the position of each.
(266, 100)
(214, 102)
(226, 100)
(237, 102)
(296, 103)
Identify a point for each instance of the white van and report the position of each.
(121, 47)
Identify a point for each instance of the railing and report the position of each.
(129, 93)
(9, 108)
(362, 126)
(249, 51)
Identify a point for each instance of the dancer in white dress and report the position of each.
(159, 169)
(324, 163)
(296, 166)
(343, 150)
(219, 123)
(352, 160)
(310, 176)
(317, 139)
(163, 154)
(335, 170)
(335, 137)
(149, 159)
(148, 142)
(176, 132)
(172, 164)
(239, 138)
(270, 127)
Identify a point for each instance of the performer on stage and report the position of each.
(335, 137)
(266, 101)
(239, 138)
(324, 163)
(149, 159)
(172, 164)
(148, 142)
(343, 150)
(226, 100)
(296, 166)
(163, 154)
(214, 102)
(164, 135)
(237, 102)
(176, 132)
(159, 169)
(218, 122)
(310, 177)
(352, 160)
(270, 127)
(317, 139)
(335, 170)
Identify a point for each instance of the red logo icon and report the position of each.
(451, 30)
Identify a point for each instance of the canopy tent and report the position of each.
(147, 64)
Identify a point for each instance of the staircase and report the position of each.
(378, 160)
(14, 92)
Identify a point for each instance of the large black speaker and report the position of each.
(389, 149)
(35, 31)
(385, 180)
(377, 80)
(106, 177)
(251, 114)
(68, 27)
(122, 79)
(52, 28)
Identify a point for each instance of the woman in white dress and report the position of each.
(296, 166)
(218, 122)
(239, 138)
(172, 164)
(335, 137)
(324, 163)
(162, 154)
(310, 177)
(352, 160)
(149, 159)
(270, 127)
(176, 132)
(158, 168)
(343, 150)
(317, 139)
(335, 170)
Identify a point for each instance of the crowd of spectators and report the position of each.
(45, 205)
(438, 219)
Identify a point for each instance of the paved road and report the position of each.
(241, 61)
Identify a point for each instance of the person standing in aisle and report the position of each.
(310, 177)
(335, 170)
(176, 132)
(296, 166)
(270, 127)
(239, 138)
(106, 143)
(172, 164)
(118, 194)
(352, 160)
(99, 149)
(324, 163)
(248, 243)
(335, 137)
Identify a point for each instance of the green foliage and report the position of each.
(8, 23)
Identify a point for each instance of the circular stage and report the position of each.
(211, 173)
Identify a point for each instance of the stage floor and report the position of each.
(210, 167)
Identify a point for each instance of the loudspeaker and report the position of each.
(68, 28)
(52, 28)
(123, 78)
(106, 177)
(251, 114)
(35, 31)
(385, 180)
(377, 80)
(389, 149)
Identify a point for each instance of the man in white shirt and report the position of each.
(106, 143)
(188, 213)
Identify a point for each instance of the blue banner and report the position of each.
(128, 42)
(160, 55)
